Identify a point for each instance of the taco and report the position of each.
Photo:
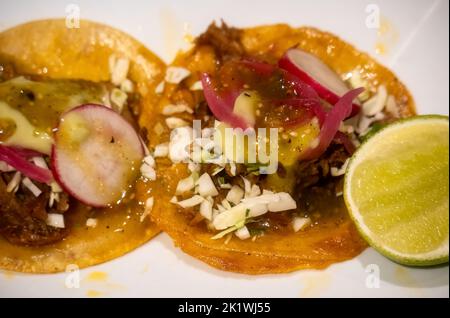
(73, 187)
(321, 94)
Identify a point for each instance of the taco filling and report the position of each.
(242, 95)
(74, 170)
(35, 111)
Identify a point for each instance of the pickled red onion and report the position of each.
(331, 124)
(221, 105)
(17, 158)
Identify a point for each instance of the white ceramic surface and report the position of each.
(417, 49)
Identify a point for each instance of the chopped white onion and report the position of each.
(40, 162)
(392, 107)
(185, 185)
(176, 109)
(336, 172)
(118, 98)
(235, 195)
(31, 186)
(127, 86)
(284, 203)
(206, 209)
(54, 194)
(148, 172)
(265, 198)
(149, 160)
(247, 186)
(230, 217)
(180, 140)
(91, 222)
(243, 233)
(161, 150)
(299, 223)
(55, 220)
(119, 70)
(258, 210)
(356, 81)
(147, 168)
(111, 63)
(226, 216)
(365, 122)
(255, 191)
(226, 204)
(191, 202)
(54, 197)
(160, 88)
(206, 186)
(106, 101)
(197, 86)
(225, 186)
(175, 75)
(13, 185)
(376, 103)
(175, 122)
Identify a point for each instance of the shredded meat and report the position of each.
(312, 172)
(226, 41)
(23, 216)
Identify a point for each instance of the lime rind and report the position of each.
(438, 255)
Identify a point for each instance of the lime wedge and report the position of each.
(397, 190)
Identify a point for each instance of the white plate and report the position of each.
(417, 50)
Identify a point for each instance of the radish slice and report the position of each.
(96, 155)
(314, 72)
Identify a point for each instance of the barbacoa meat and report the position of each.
(313, 172)
(226, 41)
(23, 217)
